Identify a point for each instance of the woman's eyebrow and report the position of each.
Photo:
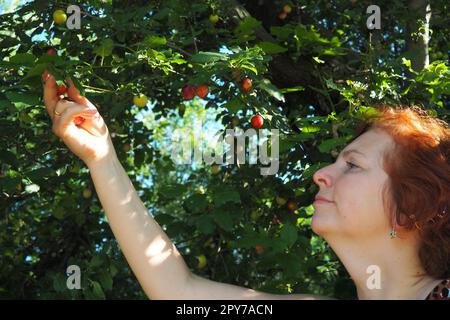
(347, 152)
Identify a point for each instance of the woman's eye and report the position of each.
(351, 165)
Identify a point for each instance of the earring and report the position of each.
(393, 234)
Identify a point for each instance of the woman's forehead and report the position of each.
(371, 143)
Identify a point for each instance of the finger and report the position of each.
(45, 75)
(63, 104)
(88, 118)
(74, 94)
(50, 94)
(71, 111)
(61, 107)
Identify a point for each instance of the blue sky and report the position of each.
(10, 5)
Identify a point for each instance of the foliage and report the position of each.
(313, 74)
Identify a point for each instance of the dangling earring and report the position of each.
(393, 234)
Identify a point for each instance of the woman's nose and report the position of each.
(322, 177)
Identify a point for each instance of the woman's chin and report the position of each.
(316, 226)
(320, 225)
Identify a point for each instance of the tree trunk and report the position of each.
(417, 40)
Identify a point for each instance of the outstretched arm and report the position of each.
(154, 259)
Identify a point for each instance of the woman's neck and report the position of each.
(385, 269)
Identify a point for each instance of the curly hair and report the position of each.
(419, 179)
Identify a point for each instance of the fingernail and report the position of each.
(45, 75)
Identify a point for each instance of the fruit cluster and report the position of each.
(190, 91)
(287, 9)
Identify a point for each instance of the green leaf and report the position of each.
(164, 219)
(288, 234)
(59, 283)
(96, 261)
(23, 59)
(406, 62)
(234, 105)
(40, 174)
(292, 89)
(36, 71)
(224, 195)
(223, 220)
(50, 59)
(178, 61)
(249, 67)
(247, 25)
(333, 52)
(172, 191)
(105, 48)
(282, 33)
(106, 280)
(113, 270)
(196, 203)
(327, 145)
(97, 291)
(22, 99)
(309, 129)
(316, 59)
(155, 41)
(271, 47)
(272, 90)
(207, 57)
(204, 224)
(332, 85)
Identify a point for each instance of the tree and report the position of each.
(314, 74)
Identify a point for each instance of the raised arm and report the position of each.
(154, 259)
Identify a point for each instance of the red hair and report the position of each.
(419, 179)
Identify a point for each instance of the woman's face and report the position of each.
(354, 185)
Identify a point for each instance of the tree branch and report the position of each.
(286, 71)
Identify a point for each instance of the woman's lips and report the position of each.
(321, 200)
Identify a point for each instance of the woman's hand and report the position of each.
(88, 139)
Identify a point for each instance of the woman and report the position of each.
(381, 207)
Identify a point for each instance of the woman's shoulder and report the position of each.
(441, 291)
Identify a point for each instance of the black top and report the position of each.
(441, 291)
